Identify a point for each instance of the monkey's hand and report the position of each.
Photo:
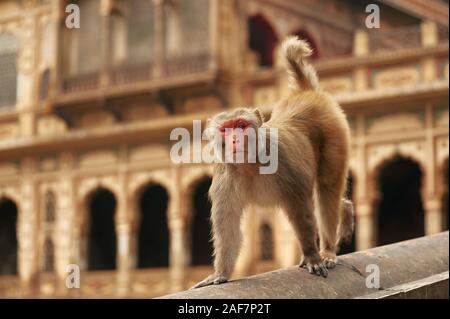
(211, 280)
(314, 264)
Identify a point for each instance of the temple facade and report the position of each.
(86, 114)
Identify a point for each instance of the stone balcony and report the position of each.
(131, 79)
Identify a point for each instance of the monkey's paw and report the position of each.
(329, 259)
(315, 265)
(211, 280)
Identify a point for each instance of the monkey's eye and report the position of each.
(241, 125)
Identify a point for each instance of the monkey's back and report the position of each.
(311, 117)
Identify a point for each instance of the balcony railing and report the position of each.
(81, 82)
(190, 65)
(401, 38)
(130, 74)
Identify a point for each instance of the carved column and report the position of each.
(179, 253)
(433, 215)
(65, 220)
(179, 221)
(432, 200)
(123, 230)
(361, 47)
(365, 221)
(366, 225)
(27, 230)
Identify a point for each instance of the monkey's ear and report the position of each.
(259, 115)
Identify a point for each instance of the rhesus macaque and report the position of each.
(313, 152)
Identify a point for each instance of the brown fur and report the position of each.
(313, 142)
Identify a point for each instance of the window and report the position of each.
(49, 207)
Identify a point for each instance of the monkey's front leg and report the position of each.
(225, 218)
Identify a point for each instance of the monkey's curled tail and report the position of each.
(301, 74)
(346, 223)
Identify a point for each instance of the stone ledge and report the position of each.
(432, 287)
(400, 264)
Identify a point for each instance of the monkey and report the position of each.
(313, 138)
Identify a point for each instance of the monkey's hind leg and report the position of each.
(303, 221)
(330, 206)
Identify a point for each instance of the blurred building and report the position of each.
(86, 114)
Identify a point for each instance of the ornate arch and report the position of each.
(270, 40)
(193, 175)
(87, 188)
(375, 171)
(11, 193)
(379, 155)
(139, 181)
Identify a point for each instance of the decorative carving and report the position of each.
(337, 85)
(395, 122)
(90, 184)
(149, 151)
(395, 77)
(98, 158)
(141, 179)
(13, 193)
(380, 153)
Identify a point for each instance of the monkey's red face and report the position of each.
(234, 134)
